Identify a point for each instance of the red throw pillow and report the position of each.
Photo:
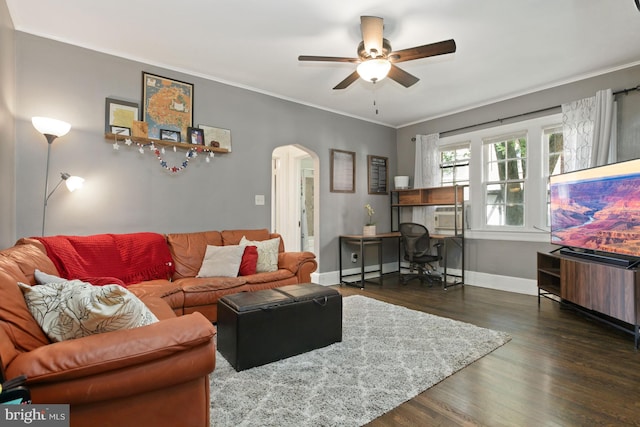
(249, 261)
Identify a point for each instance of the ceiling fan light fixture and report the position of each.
(377, 60)
(374, 70)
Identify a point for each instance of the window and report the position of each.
(552, 139)
(554, 142)
(508, 169)
(454, 165)
(505, 174)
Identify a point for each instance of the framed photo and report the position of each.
(120, 131)
(166, 104)
(216, 137)
(377, 174)
(170, 135)
(195, 136)
(343, 171)
(119, 113)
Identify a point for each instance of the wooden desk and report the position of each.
(362, 242)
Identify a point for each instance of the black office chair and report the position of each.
(419, 253)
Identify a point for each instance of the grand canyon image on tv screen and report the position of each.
(598, 208)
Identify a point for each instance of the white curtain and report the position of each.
(577, 133)
(426, 175)
(603, 150)
(588, 127)
(427, 163)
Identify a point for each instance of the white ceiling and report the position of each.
(505, 48)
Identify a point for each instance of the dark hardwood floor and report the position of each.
(560, 368)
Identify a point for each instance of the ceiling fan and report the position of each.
(376, 59)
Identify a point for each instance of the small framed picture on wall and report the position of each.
(170, 135)
(120, 131)
(119, 113)
(377, 174)
(195, 136)
(216, 137)
(343, 171)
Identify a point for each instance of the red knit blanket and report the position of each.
(131, 258)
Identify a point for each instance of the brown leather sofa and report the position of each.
(186, 293)
(152, 375)
(202, 294)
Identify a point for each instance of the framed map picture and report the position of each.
(166, 104)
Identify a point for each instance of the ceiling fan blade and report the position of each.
(327, 58)
(402, 77)
(433, 49)
(372, 28)
(346, 82)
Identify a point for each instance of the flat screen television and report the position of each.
(595, 212)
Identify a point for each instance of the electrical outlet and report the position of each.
(354, 257)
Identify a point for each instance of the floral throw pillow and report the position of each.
(267, 253)
(74, 309)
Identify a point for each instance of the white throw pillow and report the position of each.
(75, 309)
(221, 261)
(267, 253)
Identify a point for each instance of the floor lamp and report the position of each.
(51, 129)
(73, 183)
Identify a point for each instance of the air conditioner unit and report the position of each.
(446, 216)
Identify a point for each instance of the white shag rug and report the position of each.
(388, 355)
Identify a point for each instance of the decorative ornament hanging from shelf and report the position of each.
(158, 152)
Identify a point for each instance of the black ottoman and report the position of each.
(256, 328)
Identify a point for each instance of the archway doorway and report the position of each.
(295, 194)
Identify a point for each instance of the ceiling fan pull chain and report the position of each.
(375, 104)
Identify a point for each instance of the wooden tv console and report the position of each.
(596, 287)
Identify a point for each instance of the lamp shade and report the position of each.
(374, 70)
(47, 126)
(74, 183)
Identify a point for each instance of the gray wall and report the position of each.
(126, 191)
(518, 259)
(7, 129)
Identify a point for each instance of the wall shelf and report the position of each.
(452, 195)
(111, 137)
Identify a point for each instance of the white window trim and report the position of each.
(452, 147)
(545, 167)
(534, 229)
(485, 181)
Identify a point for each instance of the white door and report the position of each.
(293, 195)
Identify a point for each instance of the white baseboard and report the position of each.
(502, 283)
(473, 278)
(333, 277)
